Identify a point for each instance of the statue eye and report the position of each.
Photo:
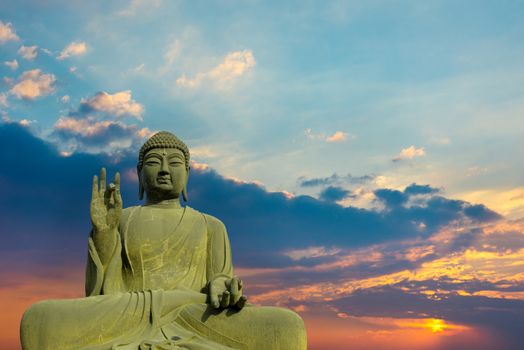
(152, 162)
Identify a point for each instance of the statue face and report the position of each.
(163, 173)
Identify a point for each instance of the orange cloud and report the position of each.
(7, 33)
(33, 84)
(235, 64)
(28, 52)
(410, 153)
(76, 48)
(12, 64)
(118, 104)
(338, 136)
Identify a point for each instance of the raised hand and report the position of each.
(106, 204)
(226, 292)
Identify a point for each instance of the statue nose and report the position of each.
(164, 168)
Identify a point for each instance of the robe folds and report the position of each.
(151, 294)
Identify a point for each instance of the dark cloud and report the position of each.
(95, 136)
(334, 194)
(334, 179)
(505, 316)
(97, 126)
(415, 189)
(54, 192)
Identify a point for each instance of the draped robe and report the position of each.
(152, 294)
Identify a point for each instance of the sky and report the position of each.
(365, 156)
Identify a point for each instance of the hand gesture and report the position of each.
(106, 203)
(226, 292)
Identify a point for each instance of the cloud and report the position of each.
(12, 64)
(3, 100)
(235, 65)
(335, 179)
(33, 84)
(311, 252)
(97, 125)
(409, 153)
(28, 52)
(338, 136)
(138, 6)
(119, 104)
(65, 99)
(94, 136)
(7, 33)
(76, 48)
(415, 189)
(334, 194)
(172, 52)
(441, 141)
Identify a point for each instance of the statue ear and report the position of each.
(140, 186)
(184, 190)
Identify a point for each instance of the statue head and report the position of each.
(163, 167)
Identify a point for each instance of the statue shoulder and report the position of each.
(214, 225)
(126, 212)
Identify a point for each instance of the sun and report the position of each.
(436, 325)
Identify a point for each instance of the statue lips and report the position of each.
(164, 180)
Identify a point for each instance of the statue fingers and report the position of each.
(213, 297)
(224, 299)
(240, 283)
(102, 181)
(235, 292)
(95, 188)
(108, 193)
(117, 180)
(241, 302)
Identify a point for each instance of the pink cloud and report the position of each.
(28, 52)
(76, 48)
(410, 153)
(118, 104)
(7, 33)
(33, 84)
(235, 64)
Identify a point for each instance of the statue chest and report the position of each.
(167, 248)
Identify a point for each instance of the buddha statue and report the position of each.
(159, 276)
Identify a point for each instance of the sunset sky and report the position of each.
(367, 157)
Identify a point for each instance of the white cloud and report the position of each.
(311, 252)
(32, 84)
(7, 33)
(235, 65)
(26, 122)
(95, 136)
(338, 136)
(76, 48)
(137, 6)
(119, 104)
(3, 100)
(46, 51)
(442, 141)
(12, 64)
(172, 52)
(140, 67)
(410, 153)
(84, 127)
(28, 52)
